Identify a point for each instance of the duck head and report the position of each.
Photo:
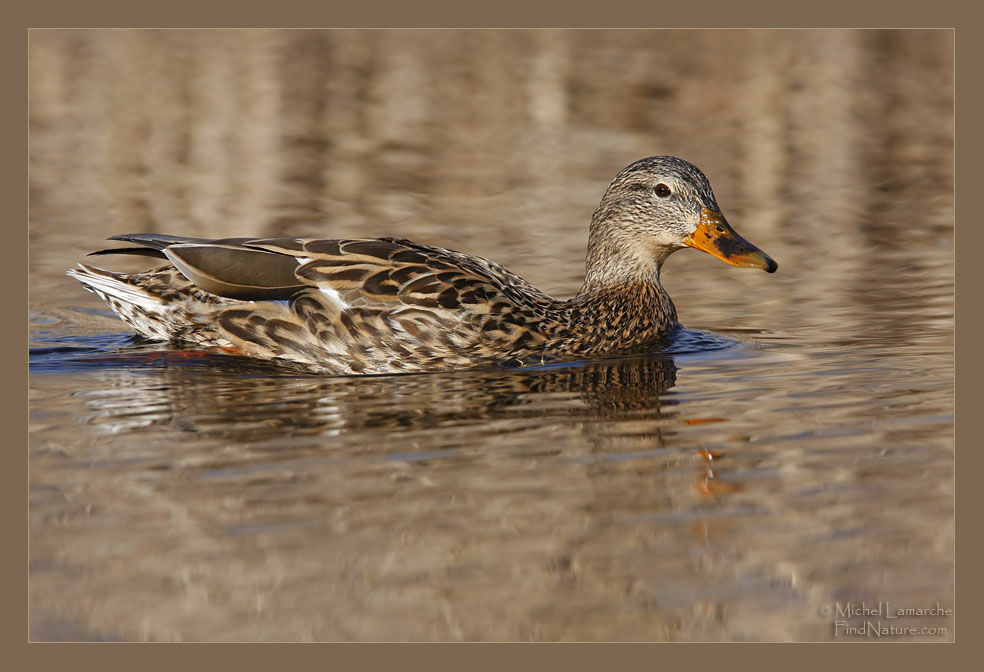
(654, 207)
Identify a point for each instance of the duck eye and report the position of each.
(662, 190)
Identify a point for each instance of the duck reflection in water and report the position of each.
(619, 405)
(231, 391)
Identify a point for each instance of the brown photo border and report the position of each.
(394, 14)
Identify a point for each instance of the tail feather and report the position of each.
(134, 251)
(141, 309)
(160, 304)
(110, 285)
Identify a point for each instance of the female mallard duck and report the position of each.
(387, 305)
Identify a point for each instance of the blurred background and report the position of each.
(177, 501)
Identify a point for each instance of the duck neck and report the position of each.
(621, 306)
(616, 254)
(623, 317)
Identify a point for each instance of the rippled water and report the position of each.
(790, 451)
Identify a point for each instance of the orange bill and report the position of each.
(715, 236)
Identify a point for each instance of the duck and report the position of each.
(359, 306)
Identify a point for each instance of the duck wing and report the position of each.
(224, 267)
(360, 271)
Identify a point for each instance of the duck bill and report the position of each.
(716, 237)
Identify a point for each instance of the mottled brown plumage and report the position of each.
(388, 305)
